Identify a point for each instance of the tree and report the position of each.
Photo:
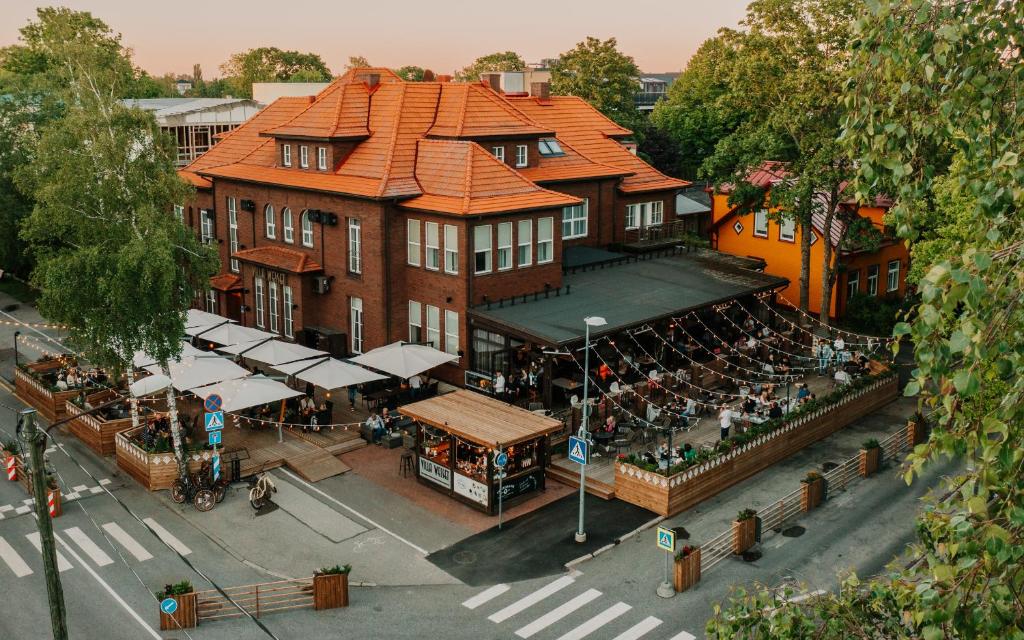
(500, 61)
(354, 62)
(928, 74)
(410, 73)
(598, 72)
(270, 64)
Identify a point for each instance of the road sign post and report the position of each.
(500, 460)
(666, 541)
(169, 606)
(214, 421)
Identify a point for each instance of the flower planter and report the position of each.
(185, 615)
(51, 404)
(330, 591)
(745, 533)
(687, 571)
(870, 460)
(812, 494)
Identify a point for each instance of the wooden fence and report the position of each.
(51, 404)
(94, 430)
(152, 470)
(255, 599)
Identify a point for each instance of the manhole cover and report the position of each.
(794, 532)
(464, 557)
(828, 466)
(751, 556)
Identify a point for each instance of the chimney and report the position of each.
(540, 90)
(371, 79)
(493, 80)
(444, 77)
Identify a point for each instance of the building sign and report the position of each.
(435, 472)
(471, 489)
(517, 487)
(271, 276)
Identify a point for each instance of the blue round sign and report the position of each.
(169, 605)
(502, 459)
(213, 403)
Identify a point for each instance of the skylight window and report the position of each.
(549, 147)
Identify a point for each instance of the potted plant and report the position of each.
(184, 617)
(687, 568)
(746, 531)
(330, 587)
(813, 490)
(870, 457)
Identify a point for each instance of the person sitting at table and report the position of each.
(62, 382)
(623, 367)
(265, 414)
(842, 377)
(775, 412)
(688, 453)
(376, 426)
(604, 372)
(802, 391)
(609, 425)
(749, 404)
(306, 406)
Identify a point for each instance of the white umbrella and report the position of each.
(189, 373)
(198, 318)
(149, 384)
(232, 334)
(272, 352)
(404, 360)
(247, 392)
(328, 374)
(142, 359)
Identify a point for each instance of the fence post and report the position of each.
(257, 601)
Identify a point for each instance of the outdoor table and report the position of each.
(376, 399)
(566, 383)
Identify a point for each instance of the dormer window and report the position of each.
(521, 155)
(321, 158)
(499, 153)
(304, 156)
(286, 155)
(549, 147)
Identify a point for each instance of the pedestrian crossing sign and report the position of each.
(666, 539)
(579, 450)
(214, 420)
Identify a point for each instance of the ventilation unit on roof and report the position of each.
(248, 205)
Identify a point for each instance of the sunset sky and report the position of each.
(443, 35)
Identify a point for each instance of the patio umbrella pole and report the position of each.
(280, 435)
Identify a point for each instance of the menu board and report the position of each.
(519, 486)
(435, 472)
(470, 488)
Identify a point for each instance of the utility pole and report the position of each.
(35, 441)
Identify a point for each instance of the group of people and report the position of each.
(74, 377)
(380, 425)
(521, 383)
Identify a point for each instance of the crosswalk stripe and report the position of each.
(531, 599)
(639, 629)
(166, 536)
(558, 613)
(13, 560)
(86, 544)
(683, 635)
(597, 621)
(62, 562)
(486, 596)
(128, 542)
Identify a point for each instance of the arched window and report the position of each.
(307, 230)
(286, 222)
(268, 213)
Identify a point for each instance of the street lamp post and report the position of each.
(589, 321)
(16, 334)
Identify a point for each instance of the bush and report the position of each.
(335, 570)
(870, 444)
(176, 589)
(811, 477)
(685, 551)
(746, 514)
(9, 445)
(873, 315)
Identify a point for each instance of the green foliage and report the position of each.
(685, 551)
(598, 72)
(500, 61)
(812, 476)
(871, 443)
(746, 514)
(410, 73)
(176, 589)
(270, 64)
(355, 62)
(335, 570)
(873, 315)
(9, 445)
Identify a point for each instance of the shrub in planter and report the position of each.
(185, 615)
(746, 531)
(330, 587)
(687, 568)
(870, 458)
(813, 490)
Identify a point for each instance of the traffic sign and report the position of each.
(213, 402)
(579, 450)
(501, 459)
(214, 421)
(169, 605)
(215, 437)
(666, 539)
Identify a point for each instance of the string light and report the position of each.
(765, 344)
(783, 337)
(740, 354)
(871, 340)
(33, 325)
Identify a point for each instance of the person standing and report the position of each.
(724, 421)
(499, 385)
(352, 397)
(415, 386)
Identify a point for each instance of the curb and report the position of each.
(589, 556)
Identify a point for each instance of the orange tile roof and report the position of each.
(476, 111)
(195, 180)
(279, 258)
(340, 112)
(226, 282)
(571, 166)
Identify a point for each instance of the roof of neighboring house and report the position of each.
(164, 107)
(687, 206)
(225, 282)
(279, 258)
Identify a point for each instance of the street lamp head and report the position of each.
(595, 321)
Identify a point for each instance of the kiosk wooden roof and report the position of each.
(481, 419)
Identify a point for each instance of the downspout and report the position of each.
(386, 257)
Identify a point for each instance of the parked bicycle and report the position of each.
(219, 487)
(192, 487)
(260, 489)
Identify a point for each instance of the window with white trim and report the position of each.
(356, 324)
(211, 301)
(206, 226)
(852, 284)
(504, 246)
(657, 208)
(574, 221)
(892, 276)
(307, 229)
(787, 229)
(499, 153)
(289, 319)
(549, 147)
(451, 332)
(355, 246)
(286, 155)
(258, 288)
(482, 248)
(522, 155)
(434, 326)
(451, 249)
(433, 246)
(633, 214)
(545, 240)
(412, 233)
(179, 213)
(271, 221)
(304, 156)
(232, 234)
(415, 321)
(761, 223)
(272, 303)
(873, 280)
(321, 158)
(525, 242)
(288, 228)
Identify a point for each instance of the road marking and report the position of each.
(531, 599)
(597, 621)
(683, 635)
(13, 560)
(62, 562)
(109, 589)
(558, 613)
(486, 596)
(166, 536)
(639, 629)
(88, 546)
(127, 541)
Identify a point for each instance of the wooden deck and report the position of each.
(304, 458)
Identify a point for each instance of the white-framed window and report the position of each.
(415, 321)
(525, 242)
(522, 155)
(873, 280)
(545, 240)
(852, 284)
(451, 332)
(355, 246)
(321, 158)
(482, 248)
(412, 232)
(356, 324)
(574, 221)
(206, 226)
(892, 276)
(504, 246)
(433, 246)
(304, 156)
(287, 226)
(272, 303)
(289, 319)
(657, 209)
(633, 214)
(211, 301)
(271, 221)
(286, 155)
(761, 223)
(451, 249)
(787, 229)
(179, 213)
(307, 229)
(233, 233)
(499, 153)
(258, 288)
(434, 326)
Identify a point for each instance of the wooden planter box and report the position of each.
(94, 430)
(870, 461)
(154, 471)
(745, 533)
(687, 571)
(670, 495)
(812, 494)
(330, 591)
(184, 617)
(916, 433)
(51, 405)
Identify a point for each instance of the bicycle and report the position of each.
(191, 487)
(260, 488)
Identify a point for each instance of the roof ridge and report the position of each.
(337, 109)
(462, 111)
(467, 193)
(504, 103)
